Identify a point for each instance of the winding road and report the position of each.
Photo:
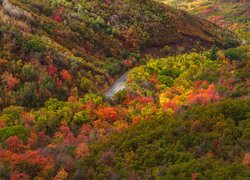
(118, 86)
(120, 83)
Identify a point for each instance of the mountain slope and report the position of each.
(176, 148)
(231, 14)
(68, 48)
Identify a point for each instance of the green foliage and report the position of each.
(85, 84)
(234, 109)
(178, 144)
(170, 72)
(236, 54)
(19, 131)
(29, 73)
(36, 45)
(180, 117)
(213, 54)
(166, 80)
(120, 96)
(12, 115)
(97, 99)
(65, 45)
(27, 95)
(81, 118)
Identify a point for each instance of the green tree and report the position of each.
(27, 95)
(29, 73)
(85, 84)
(213, 54)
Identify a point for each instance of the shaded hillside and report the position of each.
(68, 48)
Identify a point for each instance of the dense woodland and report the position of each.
(185, 112)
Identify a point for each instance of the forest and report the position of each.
(185, 111)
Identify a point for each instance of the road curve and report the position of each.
(118, 86)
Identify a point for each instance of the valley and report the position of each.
(124, 89)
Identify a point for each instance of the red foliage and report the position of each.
(204, 96)
(52, 70)
(86, 129)
(69, 138)
(170, 105)
(31, 161)
(19, 176)
(84, 134)
(200, 84)
(15, 144)
(58, 18)
(194, 176)
(39, 139)
(145, 99)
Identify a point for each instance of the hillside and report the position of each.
(230, 14)
(184, 117)
(69, 48)
(184, 112)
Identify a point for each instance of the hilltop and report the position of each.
(69, 48)
(230, 14)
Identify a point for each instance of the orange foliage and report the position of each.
(170, 105)
(136, 119)
(82, 150)
(153, 79)
(107, 113)
(10, 80)
(61, 175)
(204, 96)
(246, 159)
(65, 74)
